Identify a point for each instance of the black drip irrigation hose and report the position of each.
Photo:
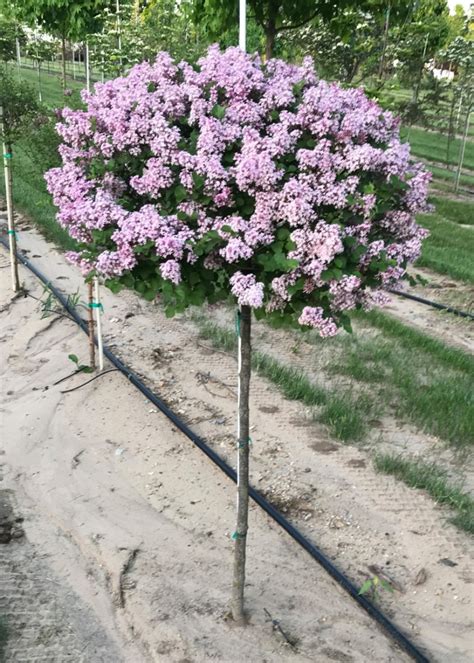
(391, 629)
(428, 302)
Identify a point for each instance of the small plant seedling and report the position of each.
(372, 587)
(81, 368)
(49, 305)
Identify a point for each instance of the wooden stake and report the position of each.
(98, 309)
(463, 149)
(90, 324)
(243, 441)
(243, 24)
(7, 168)
(88, 71)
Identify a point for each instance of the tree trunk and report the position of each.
(40, 94)
(87, 66)
(7, 168)
(463, 148)
(90, 324)
(243, 440)
(270, 35)
(63, 54)
(385, 41)
(7, 164)
(18, 55)
(416, 89)
(451, 131)
(98, 308)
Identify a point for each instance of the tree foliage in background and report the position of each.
(272, 17)
(11, 32)
(60, 18)
(20, 107)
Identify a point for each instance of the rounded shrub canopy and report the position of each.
(236, 177)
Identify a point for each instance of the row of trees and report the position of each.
(353, 42)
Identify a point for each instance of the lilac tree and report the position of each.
(292, 197)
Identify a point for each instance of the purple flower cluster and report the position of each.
(203, 168)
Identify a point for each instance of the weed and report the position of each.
(433, 479)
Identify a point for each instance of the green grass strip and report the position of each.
(345, 417)
(412, 338)
(449, 249)
(433, 145)
(458, 211)
(433, 479)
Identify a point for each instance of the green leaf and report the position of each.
(218, 111)
(180, 193)
(74, 359)
(114, 285)
(198, 180)
(366, 586)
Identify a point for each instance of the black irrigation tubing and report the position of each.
(392, 630)
(428, 302)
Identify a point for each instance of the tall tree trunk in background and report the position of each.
(40, 93)
(270, 35)
(63, 55)
(385, 41)
(451, 131)
(243, 441)
(416, 89)
(271, 28)
(463, 147)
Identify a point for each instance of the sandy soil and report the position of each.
(446, 326)
(135, 522)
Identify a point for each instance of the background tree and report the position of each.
(272, 17)
(40, 48)
(61, 18)
(11, 35)
(18, 109)
(418, 40)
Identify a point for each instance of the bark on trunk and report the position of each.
(7, 167)
(90, 324)
(270, 35)
(385, 41)
(243, 440)
(63, 56)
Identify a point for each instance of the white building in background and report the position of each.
(441, 74)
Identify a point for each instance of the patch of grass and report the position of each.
(51, 87)
(345, 416)
(347, 421)
(444, 174)
(449, 249)
(432, 146)
(412, 338)
(433, 479)
(430, 384)
(458, 211)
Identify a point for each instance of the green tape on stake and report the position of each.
(8, 155)
(238, 535)
(241, 445)
(96, 305)
(237, 323)
(13, 232)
